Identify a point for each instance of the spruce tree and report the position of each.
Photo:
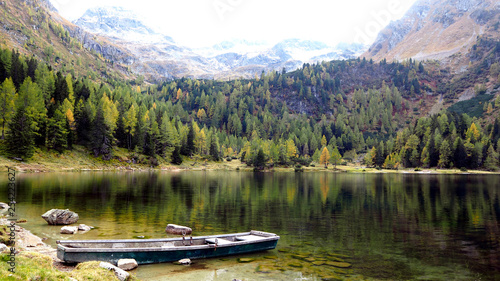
(101, 140)
(21, 138)
(176, 156)
(260, 159)
(214, 148)
(491, 162)
(57, 132)
(189, 148)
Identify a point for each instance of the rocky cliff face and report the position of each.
(437, 29)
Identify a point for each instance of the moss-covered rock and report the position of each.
(284, 250)
(245, 260)
(264, 269)
(299, 257)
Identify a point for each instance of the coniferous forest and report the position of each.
(331, 112)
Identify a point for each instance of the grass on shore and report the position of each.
(80, 159)
(36, 266)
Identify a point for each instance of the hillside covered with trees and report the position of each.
(326, 111)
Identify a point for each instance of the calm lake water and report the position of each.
(385, 226)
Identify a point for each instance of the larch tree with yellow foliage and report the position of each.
(472, 133)
(324, 157)
(7, 105)
(291, 149)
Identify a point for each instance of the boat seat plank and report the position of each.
(248, 238)
(220, 241)
(168, 245)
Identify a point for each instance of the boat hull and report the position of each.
(159, 255)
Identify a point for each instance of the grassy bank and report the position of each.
(36, 266)
(80, 159)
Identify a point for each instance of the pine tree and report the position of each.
(21, 138)
(444, 154)
(169, 136)
(30, 97)
(336, 157)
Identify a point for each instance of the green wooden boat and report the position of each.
(146, 251)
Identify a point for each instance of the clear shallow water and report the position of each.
(386, 226)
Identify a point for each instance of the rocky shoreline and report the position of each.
(29, 242)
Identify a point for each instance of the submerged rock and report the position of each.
(178, 229)
(245, 260)
(84, 227)
(299, 257)
(59, 216)
(338, 264)
(264, 269)
(120, 273)
(294, 264)
(127, 264)
(184, 262)
(69, 230)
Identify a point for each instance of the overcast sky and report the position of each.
(197, 23)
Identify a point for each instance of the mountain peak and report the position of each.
(120, 23)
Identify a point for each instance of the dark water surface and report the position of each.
(354, 226)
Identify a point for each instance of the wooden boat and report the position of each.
(146, 251)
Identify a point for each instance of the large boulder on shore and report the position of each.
(178, 229)
(127, 264)
(121, 274)
(59, 216)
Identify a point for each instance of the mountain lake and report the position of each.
(333, 226)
